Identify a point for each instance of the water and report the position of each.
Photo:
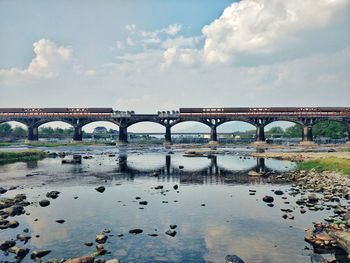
(231, 222)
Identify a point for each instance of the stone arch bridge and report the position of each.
(212, 117)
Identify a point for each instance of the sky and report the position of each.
(151, 55)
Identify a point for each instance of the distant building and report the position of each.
(100, 130)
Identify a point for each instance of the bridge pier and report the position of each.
(78, 134)
(167, 135)
(307, 136)
(33, 134)
(260, 134)
(123, 134)
(213, 135)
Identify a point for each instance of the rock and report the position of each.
(137, 198)
(85, 259)
(153, 235)
(268, 199)
(279, 192)
(158, 187)
(88, 244)
(316, 258)
(14, 210)
(324, 237)
(143, 203)
(20, 252)
(2, 190)
(101, 238)
(173, 226)
(100, 189)
(24, 238)
(181, 167)
(52, 194)
(101, 249)
(113, 261)
(60, 221)
(12, 224)
(39, 254)
(7, 244)
(135, 231)
(171, 233)
(312, 197)
(233, 259)
(175, 187)
(253, 173)
(44, 203)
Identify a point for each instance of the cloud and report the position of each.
(266, 27)
(172, 29)
(50, 59)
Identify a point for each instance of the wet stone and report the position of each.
(233, 259)
(100, 189)
(268, 199)
(171, 233)
(44, 203)
(135, 231)
(39, 254)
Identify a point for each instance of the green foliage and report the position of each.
(294, 131)
(5, 129)
(327, 164)
(21, 156)
(331, 129)
(275, 130)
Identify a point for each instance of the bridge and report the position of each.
(306, 117)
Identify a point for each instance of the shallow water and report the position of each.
(231, 222)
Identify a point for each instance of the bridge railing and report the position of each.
(168, 114)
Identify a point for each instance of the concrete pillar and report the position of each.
(78, 134)
(307, 134)
(167, 134)
(260, 164)
(260, 134)
(213, 134)
(33, 134)
(123, 134)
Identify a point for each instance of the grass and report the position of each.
(21, 156)
(327, 164)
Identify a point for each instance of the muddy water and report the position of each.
(212, 208)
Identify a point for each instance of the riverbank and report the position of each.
(21, 156)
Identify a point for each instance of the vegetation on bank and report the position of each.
(340, 165)
(21, 156)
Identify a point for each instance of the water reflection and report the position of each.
(212, 172)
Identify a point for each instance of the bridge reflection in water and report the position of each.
(210, 174)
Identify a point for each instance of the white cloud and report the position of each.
(50, 59)
(268, 26)
(172, 29)
(130, 42)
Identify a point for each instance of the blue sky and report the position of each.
(92, 26)
(150, 55)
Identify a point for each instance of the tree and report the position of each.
(330, 129)
(294, 131)
(5, 129)
(19, 131)
(276, 130)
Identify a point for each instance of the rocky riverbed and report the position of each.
(132, 205)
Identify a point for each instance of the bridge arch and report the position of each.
(140, 128)
(284, 128)
(237, 128)
(53, 129)
(13, 129)
(192, 126)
